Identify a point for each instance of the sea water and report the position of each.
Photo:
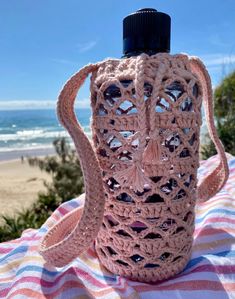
(35, 129)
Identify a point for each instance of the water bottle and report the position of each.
(140, 169)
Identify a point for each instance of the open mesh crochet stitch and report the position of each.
(141, 169)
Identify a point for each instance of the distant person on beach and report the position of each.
(22, 159)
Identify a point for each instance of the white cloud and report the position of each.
(63, 61)
(217, 39)
(84, 47)
(84, 103)
(23, 104)
(218, 59)
(34, 104)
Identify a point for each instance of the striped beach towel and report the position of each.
(209, 274)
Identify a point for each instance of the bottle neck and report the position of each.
(138, 52)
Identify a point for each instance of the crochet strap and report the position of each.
(75, 232)
(215, 180)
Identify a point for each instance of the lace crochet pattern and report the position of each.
(141, 169)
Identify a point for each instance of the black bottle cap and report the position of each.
(146, 30)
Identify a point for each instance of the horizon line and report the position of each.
(37, 104)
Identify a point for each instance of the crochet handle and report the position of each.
(215, 180)
(75, 232)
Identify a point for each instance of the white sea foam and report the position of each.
(37, 139)
(32, 134)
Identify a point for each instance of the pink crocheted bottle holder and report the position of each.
(140, 172)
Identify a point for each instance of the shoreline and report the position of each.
(16, 154)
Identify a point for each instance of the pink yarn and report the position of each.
(140, 172)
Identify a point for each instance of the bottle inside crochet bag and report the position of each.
(147, 31)
(141, 169)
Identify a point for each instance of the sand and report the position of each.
(19, 185)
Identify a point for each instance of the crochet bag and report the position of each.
(140, 171)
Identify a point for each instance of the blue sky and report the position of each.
(42, 43)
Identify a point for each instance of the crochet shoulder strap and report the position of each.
(215, 180)
(75, 232)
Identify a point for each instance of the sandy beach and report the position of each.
(19, 185)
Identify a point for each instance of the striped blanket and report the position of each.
(209, 274)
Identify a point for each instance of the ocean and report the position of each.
(33, 130)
